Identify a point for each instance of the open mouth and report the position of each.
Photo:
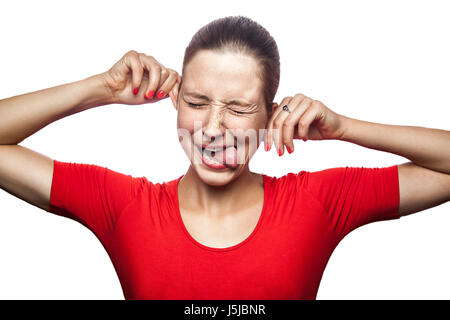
(218, 157)
(211, 153)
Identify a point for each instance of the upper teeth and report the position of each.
(208, 149)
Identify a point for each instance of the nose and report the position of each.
(214, 126)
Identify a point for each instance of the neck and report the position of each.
(200, 198)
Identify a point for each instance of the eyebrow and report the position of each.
(233, 101)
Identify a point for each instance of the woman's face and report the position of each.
(221, 114)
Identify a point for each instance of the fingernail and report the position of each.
(160, 94)
(289, 149)
(304, 139)
(280, 152)
(150, 94)
(266, 146)
(135, 91)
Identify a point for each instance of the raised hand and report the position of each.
(304, 118)
(138, 78)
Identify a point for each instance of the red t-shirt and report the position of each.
(304, 217)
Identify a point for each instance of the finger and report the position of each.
(176, 87)
(295, 116)
(169, 83)
(174, 92)
(277, 126)
(150, 64)
(305, 121)
(289, 123)
(154, 79)
(132, 61)
(269, 127)
(268, 135)
(164, 75)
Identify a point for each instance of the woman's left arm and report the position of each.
(424, 182)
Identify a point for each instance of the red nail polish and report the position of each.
(150, 94)
(304, 139)
(289, 149)
(280, 152)
(266, 146)
(160, 94)
(135, 91)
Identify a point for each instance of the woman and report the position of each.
(221, 231)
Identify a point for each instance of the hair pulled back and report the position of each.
(239, 34)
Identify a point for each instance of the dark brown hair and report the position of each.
(241, 35)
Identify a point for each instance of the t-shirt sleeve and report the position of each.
(355, 196)
(92, 195)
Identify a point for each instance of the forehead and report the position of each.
(223, 76)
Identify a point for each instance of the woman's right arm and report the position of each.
(28, 174)
(25, 173)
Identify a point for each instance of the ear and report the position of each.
(175, 91)
(274, 106)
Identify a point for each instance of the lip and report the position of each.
(207, 163)
(212, 148)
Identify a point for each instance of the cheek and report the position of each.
(253, 127)
(186, 119)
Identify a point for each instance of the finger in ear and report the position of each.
(174, 92)
(274, 106)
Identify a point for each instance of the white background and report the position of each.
(380, 61)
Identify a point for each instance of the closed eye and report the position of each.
(238, 112)
(196, 106)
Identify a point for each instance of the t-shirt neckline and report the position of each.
(233, 247)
